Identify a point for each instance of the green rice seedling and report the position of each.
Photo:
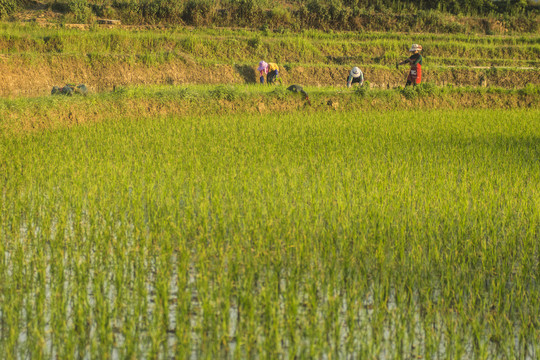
(264, 234)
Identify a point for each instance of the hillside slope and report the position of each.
(34, 58)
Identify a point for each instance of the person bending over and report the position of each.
(273, 71)
(263, 70)
(355, 76)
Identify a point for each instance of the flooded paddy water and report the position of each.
(318, 235)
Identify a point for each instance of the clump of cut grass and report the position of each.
(420, 90)
(363, 90)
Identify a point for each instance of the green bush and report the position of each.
(104, 11)
(7, 7)
(198, 12)
(156, 11)
(77, 6)
(78, 9)
(243, 12)
(280, 16)
(328, 14)
(429, 18)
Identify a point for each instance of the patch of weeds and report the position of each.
(255, 43)
(426, 89)
(530, 89)
(492, 72)
(363, 90)
(189, 44)
(447, 89)
(495, 90)
(223, 92)
(279, 93)
(147, 59)
(265, 30)
(409, 92)
(126, 92)
(185, 94)
(382, 94)
(53, 43)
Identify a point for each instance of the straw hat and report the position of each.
(415, 47)
(355, 72)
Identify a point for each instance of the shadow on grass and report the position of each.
(247, 73)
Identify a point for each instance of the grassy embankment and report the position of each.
(34, 58)
(22, 115)
(362, 233)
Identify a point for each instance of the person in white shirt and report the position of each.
(355, 76)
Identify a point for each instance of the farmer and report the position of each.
(263, 70)
(355, 76)
(269, 69)
(273, 70)
(299, 89)
(415, 60)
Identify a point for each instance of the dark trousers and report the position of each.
(271, 77)
(409, 82)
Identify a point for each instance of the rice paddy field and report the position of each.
(355, 234)
(181, 210)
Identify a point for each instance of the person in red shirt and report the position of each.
(415, 60)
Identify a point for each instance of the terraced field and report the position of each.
(33, 59)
